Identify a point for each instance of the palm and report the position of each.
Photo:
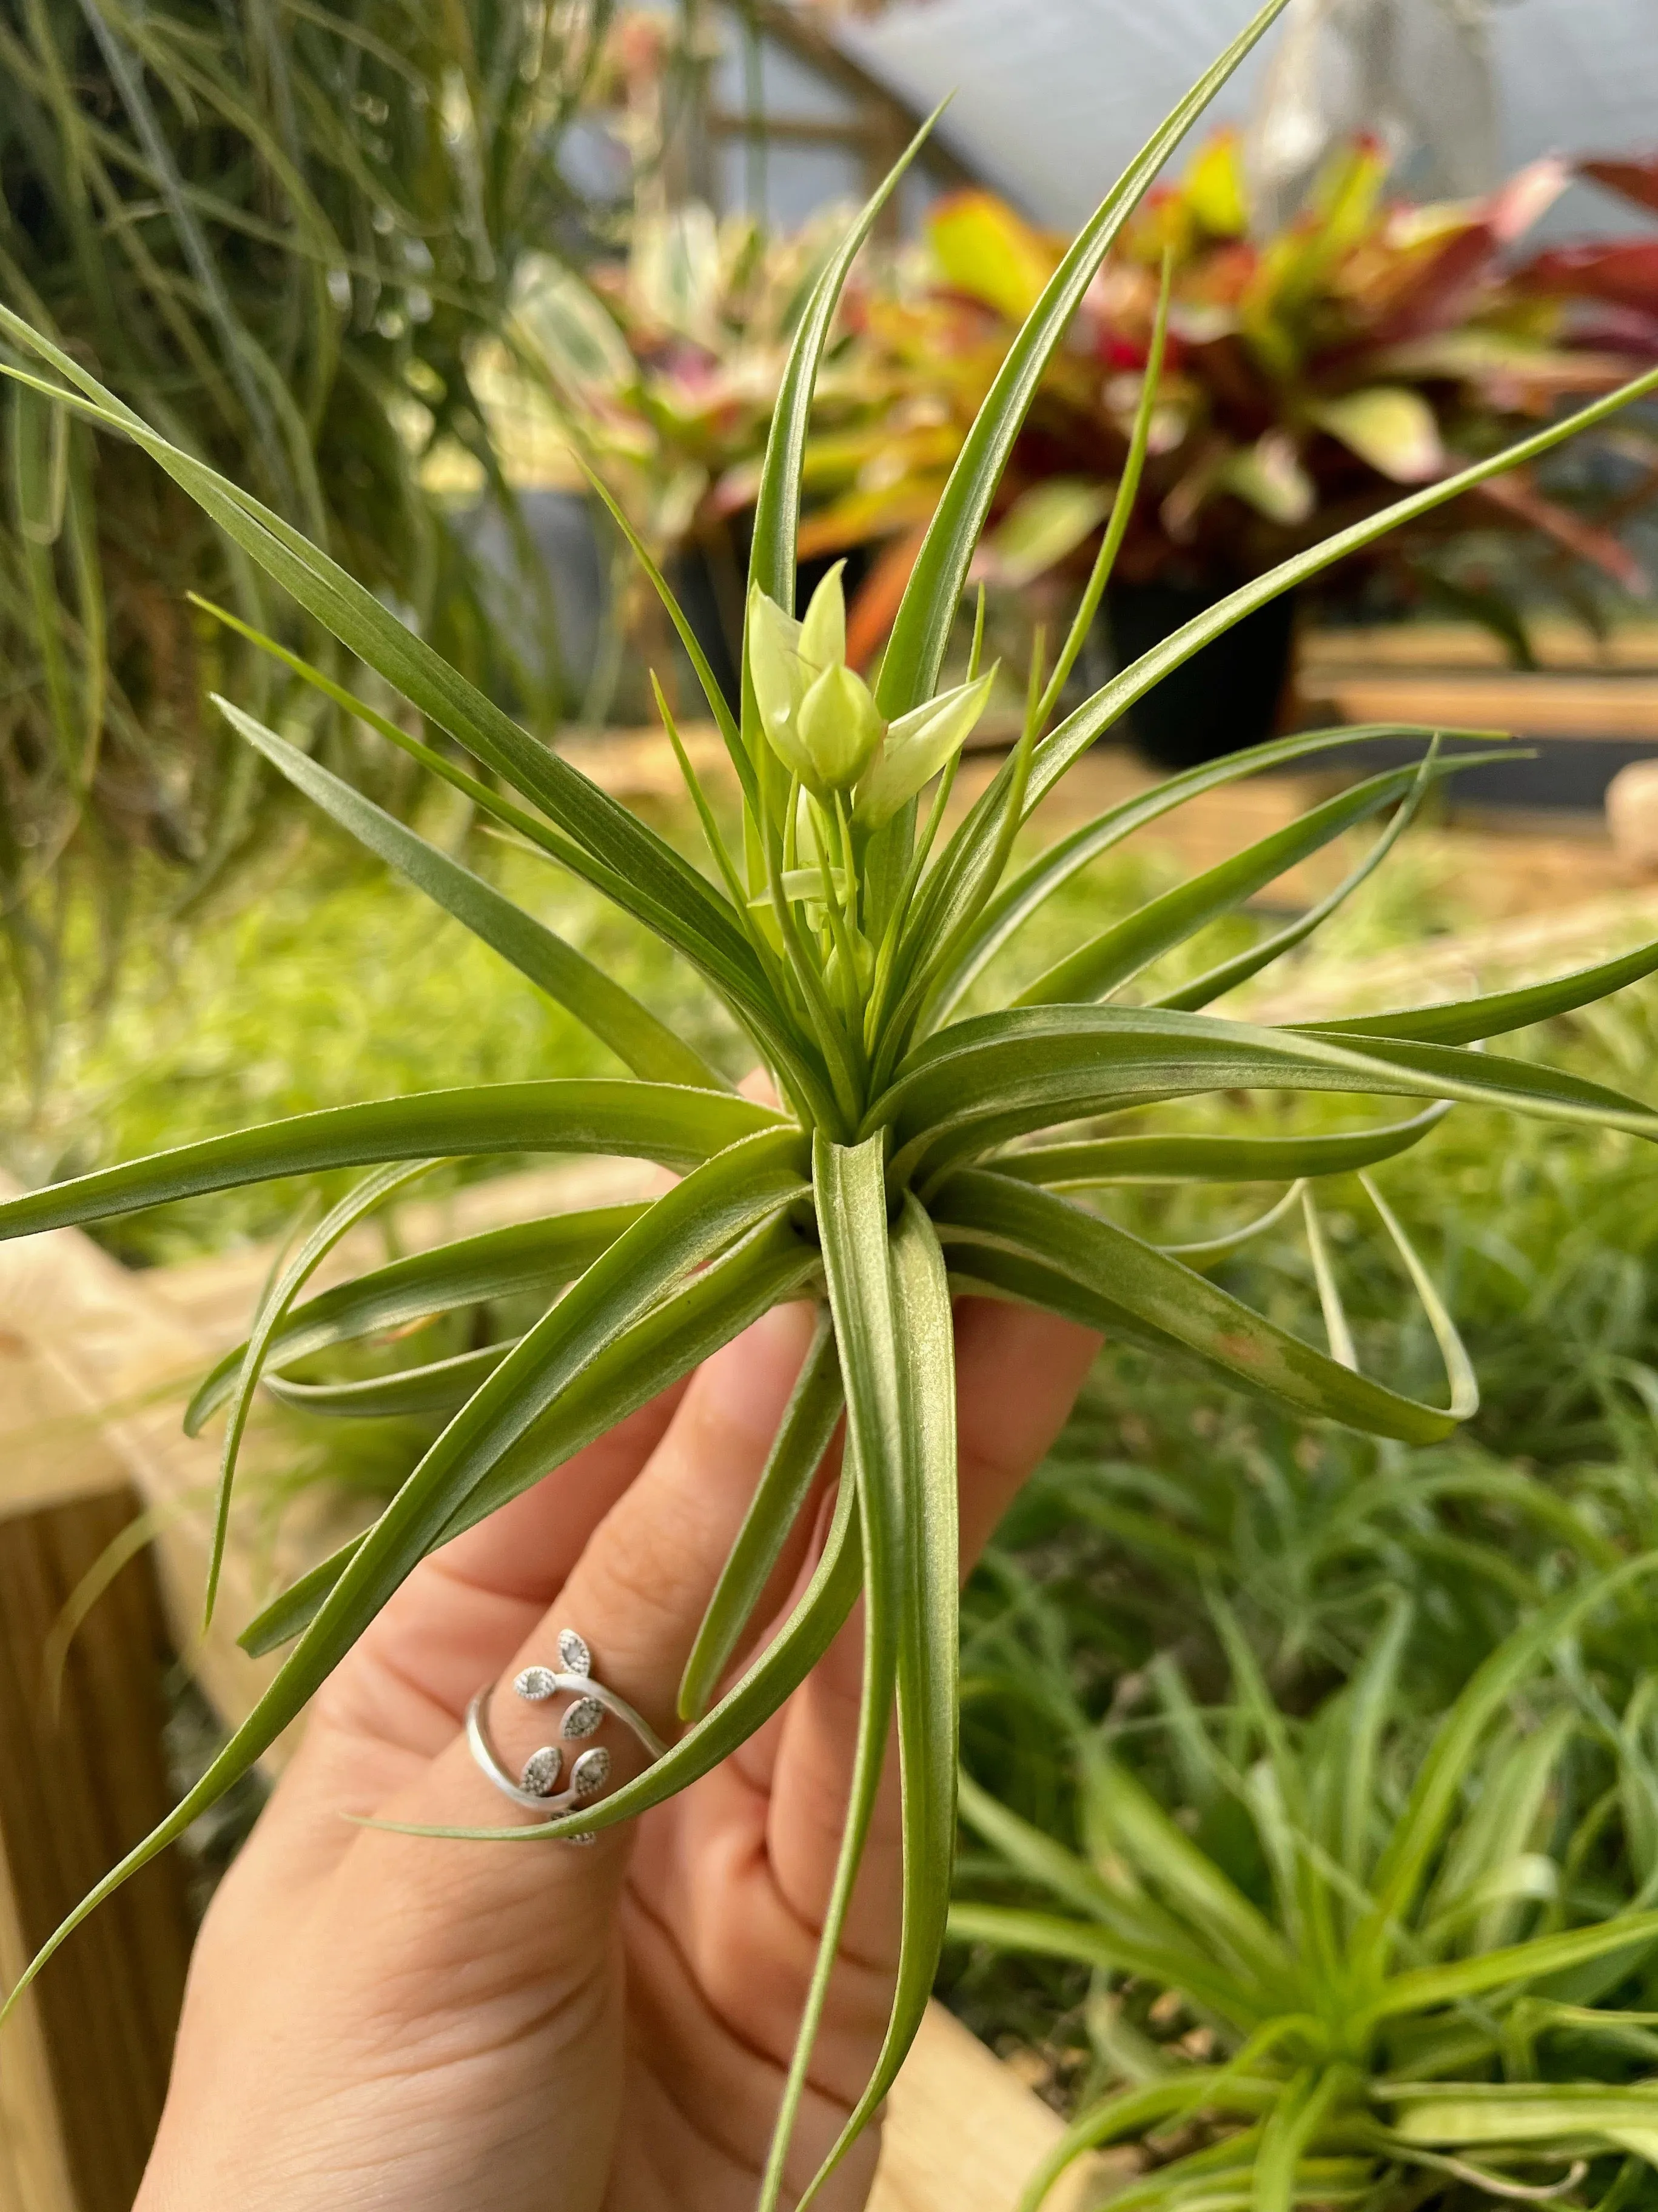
(719, 1926)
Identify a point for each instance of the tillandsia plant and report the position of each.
(1348, 1958)
(898, 1163)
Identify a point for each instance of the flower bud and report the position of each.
(840, 730)
(918, 745)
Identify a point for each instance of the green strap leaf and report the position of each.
(525, 1256)
(1136, 2111)
(639, 1040)
(915, 653)
(725, 720)
(808, 1426)
(874, 1721)
(777, 502)
(1417, 1989)
(1337, 1330)
(977, 1207)
(1210, 1251)
(273, 1310)
(441, 1386)
(679, 1127)
(1114, 1950)
(850, 1192)
(1470, 1020)
(1211, 1906)
(1031, 1852)
(281, 1620)
(1518, 2111)
(1088, 1164)
(1123, 502)
(1227, 975)
(1119, 953)
(980, 1270)
(1066, 744)
(1074, 735)
(1054, 868)
(1128, 1911)
(769, 1264)
(984, 1082)
(751, 1275)
(909, 671)
(776, 526)
(1410, 1850)
(1290, 2127)
(534, 829)
(1458, 1368)
(929, 1636)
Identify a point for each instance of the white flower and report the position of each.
(819, 716)
(917, 744)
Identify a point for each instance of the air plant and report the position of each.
(898, 1164)
(1359, 1966)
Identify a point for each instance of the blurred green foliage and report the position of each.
(277, 228)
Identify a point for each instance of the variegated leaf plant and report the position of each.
(899, 1164)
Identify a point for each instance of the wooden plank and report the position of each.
(35, 2169)
(44, 1459)
(1557, 642)
(125, 1362)
(963, 2134)
(84, 2067)
(1547, 705)
(78, 1786)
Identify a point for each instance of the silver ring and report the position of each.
(536, 1787)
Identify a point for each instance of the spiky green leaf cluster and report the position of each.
(913, 1151)
(1407, 1963)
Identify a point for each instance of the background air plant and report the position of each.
(898, 1165)
(1369, 1954)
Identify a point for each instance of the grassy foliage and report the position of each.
(333, 983)
(1369, 1953)
(279, 233)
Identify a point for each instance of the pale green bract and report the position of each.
(904, 1158)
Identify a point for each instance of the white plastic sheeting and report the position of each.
(1052, 96)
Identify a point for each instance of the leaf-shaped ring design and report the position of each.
(538, 1785)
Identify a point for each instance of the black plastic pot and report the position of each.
(1225, 697)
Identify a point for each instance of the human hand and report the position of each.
(381, 2019)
